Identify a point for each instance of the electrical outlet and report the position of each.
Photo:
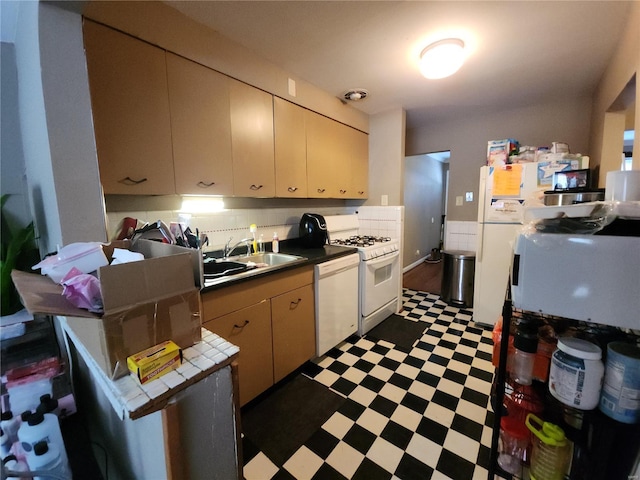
(433, 220)
(384, 200)
(417, 253)
(469, 196)
(459, 201)
(292, 87)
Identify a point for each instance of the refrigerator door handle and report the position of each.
(480, 242)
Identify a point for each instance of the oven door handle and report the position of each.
(384, 258)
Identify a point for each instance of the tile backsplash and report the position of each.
(219, 226)
(460, 236)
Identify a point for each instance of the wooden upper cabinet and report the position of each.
(201, 128)
(323, 158)
(129, 96)
(290, 149)
(252, 141)
(358, 148)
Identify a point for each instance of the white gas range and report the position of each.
(379, 269)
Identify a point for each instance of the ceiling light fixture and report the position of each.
(355, 94)
(442, 58)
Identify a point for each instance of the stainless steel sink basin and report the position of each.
(220, 270)
(270, 259)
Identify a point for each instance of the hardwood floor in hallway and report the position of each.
(426, 277)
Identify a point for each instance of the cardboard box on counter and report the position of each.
(145, 303)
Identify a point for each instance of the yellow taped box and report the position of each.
(155, 361)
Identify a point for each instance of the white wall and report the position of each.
(14, 182)
(57, 131)
(423, 186)
(467, 136)
(386, 157)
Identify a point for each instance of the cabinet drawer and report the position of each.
(249, 329)
(234, 297)
(294, 330)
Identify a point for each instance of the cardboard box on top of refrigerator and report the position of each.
(145, 303)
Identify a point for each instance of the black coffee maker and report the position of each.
(313, 231)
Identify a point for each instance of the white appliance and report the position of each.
(379, 276)
(591, 278)
(336, 289)
(501, 197)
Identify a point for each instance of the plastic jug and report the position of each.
(550, 453)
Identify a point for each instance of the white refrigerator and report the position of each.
(501, 196)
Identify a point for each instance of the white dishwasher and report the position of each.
(336, 288)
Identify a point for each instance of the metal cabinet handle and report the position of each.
(321, 190)
(205, 184)
(361, 192)
(292, 189)
(254, 187)
(131, 181)
(246, 322)
(343, 191)
(294, 304)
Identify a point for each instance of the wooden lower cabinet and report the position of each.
(249, 329)
(272, 320)
(294, 335)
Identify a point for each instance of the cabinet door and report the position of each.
(129, 96)
(358, 152)
(201, 128)
(252, 141)
(294, 330)
(290, 149)
(323, 162)
(249, 329)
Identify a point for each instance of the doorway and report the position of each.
(425, 193)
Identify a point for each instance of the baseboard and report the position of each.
(414, 264)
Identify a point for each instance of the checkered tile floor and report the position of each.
(417, 414)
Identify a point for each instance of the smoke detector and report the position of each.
(355, 94)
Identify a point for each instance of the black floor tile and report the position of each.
(369, 470)
(397, 435)
(467, 427)
(432, 430)
(359, 438)
(321, 443)
(343, 386)
(454, 466)
(411, 468)
(327, 472)
(383, 406)
(372, 383)
(351, 409)
(415, 403)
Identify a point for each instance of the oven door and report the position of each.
(379, 282)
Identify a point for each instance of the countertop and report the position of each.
(130, 399)
(313, 256)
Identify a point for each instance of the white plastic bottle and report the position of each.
(10, 425)
(46, 458)
(12, 464)
(275, 244)
(41, 427)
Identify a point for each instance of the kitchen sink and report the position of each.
(269, 259)
(213, 269)
(219, 270)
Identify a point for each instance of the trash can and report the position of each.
(458, 271)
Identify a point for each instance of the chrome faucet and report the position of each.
(227, 251)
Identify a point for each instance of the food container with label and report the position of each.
(575, 376)
(620, 397)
